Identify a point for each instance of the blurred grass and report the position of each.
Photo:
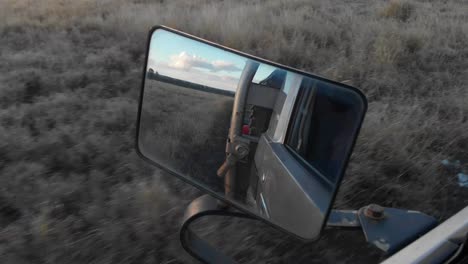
(73, 190)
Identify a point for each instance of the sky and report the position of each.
(190, 60)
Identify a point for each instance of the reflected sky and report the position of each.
(189, 60)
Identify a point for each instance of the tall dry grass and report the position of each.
(72, 189)
(185, 130)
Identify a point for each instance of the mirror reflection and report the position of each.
(272, 141)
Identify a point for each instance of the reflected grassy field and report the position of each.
(185, 130)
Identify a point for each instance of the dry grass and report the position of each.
(185, 130)
(400, 10)
(73, 191)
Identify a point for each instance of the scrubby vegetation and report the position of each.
(178, 129)
(72, 189)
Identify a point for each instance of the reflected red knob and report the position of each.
(245, 130)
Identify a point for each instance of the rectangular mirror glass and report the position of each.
(270, 140)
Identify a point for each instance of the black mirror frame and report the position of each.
(236, 205)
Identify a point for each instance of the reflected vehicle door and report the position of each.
(303, 153)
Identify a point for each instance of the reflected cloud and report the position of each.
(186, 61)
(214, 80)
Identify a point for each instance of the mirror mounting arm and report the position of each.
(388, 229)
(205, 205)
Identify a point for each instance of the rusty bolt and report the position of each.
(242, 150)
(374, 211)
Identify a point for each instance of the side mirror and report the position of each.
(267, 139)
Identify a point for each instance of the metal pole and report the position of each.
(236, 148)
(241, 95)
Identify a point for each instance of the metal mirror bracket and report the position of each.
(205, 205)
(388, 229)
